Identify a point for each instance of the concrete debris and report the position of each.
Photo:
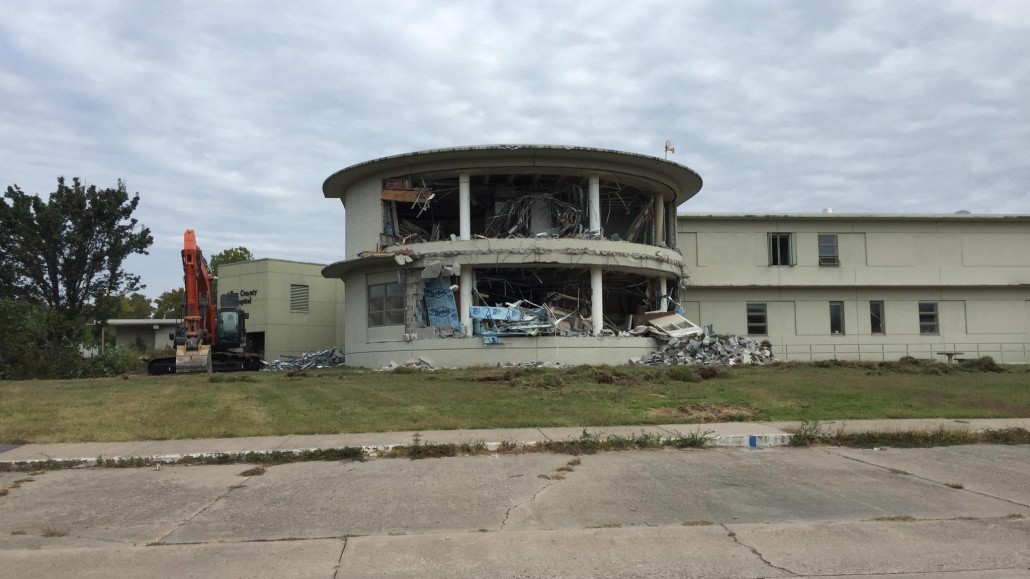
(708, 350)
(417, 363)
(329, 358)
(533, 365)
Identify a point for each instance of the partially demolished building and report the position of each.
(489, 254)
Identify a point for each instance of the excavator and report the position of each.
(207, 339)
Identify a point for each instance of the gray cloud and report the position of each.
(227, 116)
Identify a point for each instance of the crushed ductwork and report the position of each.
(328, 358)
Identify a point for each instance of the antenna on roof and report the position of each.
(669, 148)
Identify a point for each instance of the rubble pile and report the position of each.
(416, 363)
(314, 359)
(533, 365)
(716, 350)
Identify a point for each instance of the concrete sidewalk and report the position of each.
(733, 434)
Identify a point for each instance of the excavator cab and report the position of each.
(230, 324)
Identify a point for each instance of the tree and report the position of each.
(231, 255)
(135, 307)
(66, 253)
(168, 305)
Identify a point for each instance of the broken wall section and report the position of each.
(425, 209)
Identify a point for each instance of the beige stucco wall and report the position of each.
(286, 332)
(733, 251)
(974, 269)
(978, 321)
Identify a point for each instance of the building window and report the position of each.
(836, 317)
(298, 298)
(828, 253)
(781, 249)
(876, 320)
(757, 320)
(928, 319)
(385, 305)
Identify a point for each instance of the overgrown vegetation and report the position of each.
(138, 407)
(810, 433)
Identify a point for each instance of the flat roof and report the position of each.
(482, 158)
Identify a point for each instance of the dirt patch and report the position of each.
(707, 412)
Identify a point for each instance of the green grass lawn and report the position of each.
(358, 400)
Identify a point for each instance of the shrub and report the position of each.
(111, 362)
(982, 364)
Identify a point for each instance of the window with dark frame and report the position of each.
(829, 254)
(836, 317)
(757, 320)
(385, 305)
(299, 295)
(876, 321)
(929, 322)
(781, 249)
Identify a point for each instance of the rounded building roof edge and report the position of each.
(685, 180)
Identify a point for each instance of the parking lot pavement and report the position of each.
(719, 513)
(998, 471)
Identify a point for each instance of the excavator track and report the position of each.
(220, 362)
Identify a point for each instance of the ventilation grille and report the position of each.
(299, 298)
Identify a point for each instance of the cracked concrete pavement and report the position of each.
(950, 512)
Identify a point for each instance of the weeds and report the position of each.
(929, 438)
(698, 523)
(419, 450)
(807, 433)
(895, 519)
(608, 525)
(682, 374)
(17, 532)
(256, 471)
(49, 532)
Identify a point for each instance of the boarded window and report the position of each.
(877, 324)
(836, 317)
(928, 319)
(781, 249)
(385, 305)
(828, 252)
(757, 320)
(298, 298)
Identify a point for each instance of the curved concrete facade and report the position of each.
(442, 244)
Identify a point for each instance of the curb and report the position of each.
(752, 441)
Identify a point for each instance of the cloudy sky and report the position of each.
(227, 116)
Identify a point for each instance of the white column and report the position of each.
(594, 208)
(596, 309)
(464, 209)
(465, 291)
(664, 289)
(659, 221)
